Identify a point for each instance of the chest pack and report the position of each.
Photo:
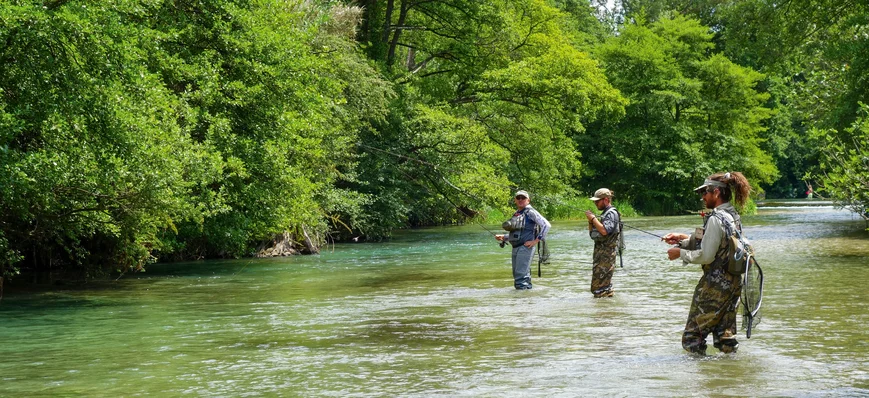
(514, 226)
(739, 249)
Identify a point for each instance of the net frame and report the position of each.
(752, 295)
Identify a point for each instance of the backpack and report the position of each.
(739, 249)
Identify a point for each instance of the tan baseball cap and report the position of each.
(601, 193)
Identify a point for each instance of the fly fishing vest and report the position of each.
(738, 247)
(734, 250)
(617, 239)
(519, 227)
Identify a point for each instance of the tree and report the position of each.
(812, 54)
(178, 129)
(692, 113)
(279, 90)
(504, 76)
(844, 168)
(94, 162)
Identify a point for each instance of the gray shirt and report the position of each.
(536, 218)
(610, 221)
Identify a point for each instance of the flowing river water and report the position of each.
(433, 313)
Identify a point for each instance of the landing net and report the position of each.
(752, 295)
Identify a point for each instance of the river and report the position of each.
(433, 313)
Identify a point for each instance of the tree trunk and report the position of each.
(402, 17)
(387, 20)
(309, 244)
(368, 8)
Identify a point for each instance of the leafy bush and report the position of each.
(845, 164)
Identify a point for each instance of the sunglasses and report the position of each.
(521, 198)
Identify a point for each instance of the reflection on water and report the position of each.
(433, 313)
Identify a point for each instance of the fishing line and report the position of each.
(398, 155)
(231, 278)
(437, 168)
(645, 232)
(623, 223)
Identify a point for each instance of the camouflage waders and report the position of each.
(604, 260)
(713, 308)
(605, 251)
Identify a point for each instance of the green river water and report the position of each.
(434, 313)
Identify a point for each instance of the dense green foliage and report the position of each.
(138, 130)
(132, 129)
(813, 55)
(692, 113)
(490, 94)
(845, 164)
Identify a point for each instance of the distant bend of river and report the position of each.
(433, 313)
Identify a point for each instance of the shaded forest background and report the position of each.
(134, 131)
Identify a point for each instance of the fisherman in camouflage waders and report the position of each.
(713, 307)
(605, 234)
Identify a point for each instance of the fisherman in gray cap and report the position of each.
(605, 232)
(713, 307)
(525, 229)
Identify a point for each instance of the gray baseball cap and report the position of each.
(710, 183)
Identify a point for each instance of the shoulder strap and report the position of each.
(728, 222)
(611, 209)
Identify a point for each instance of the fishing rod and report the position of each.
(645, 232)
(487, 229)
(623, 223)
(539, 252)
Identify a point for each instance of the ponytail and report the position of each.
(737, 188)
